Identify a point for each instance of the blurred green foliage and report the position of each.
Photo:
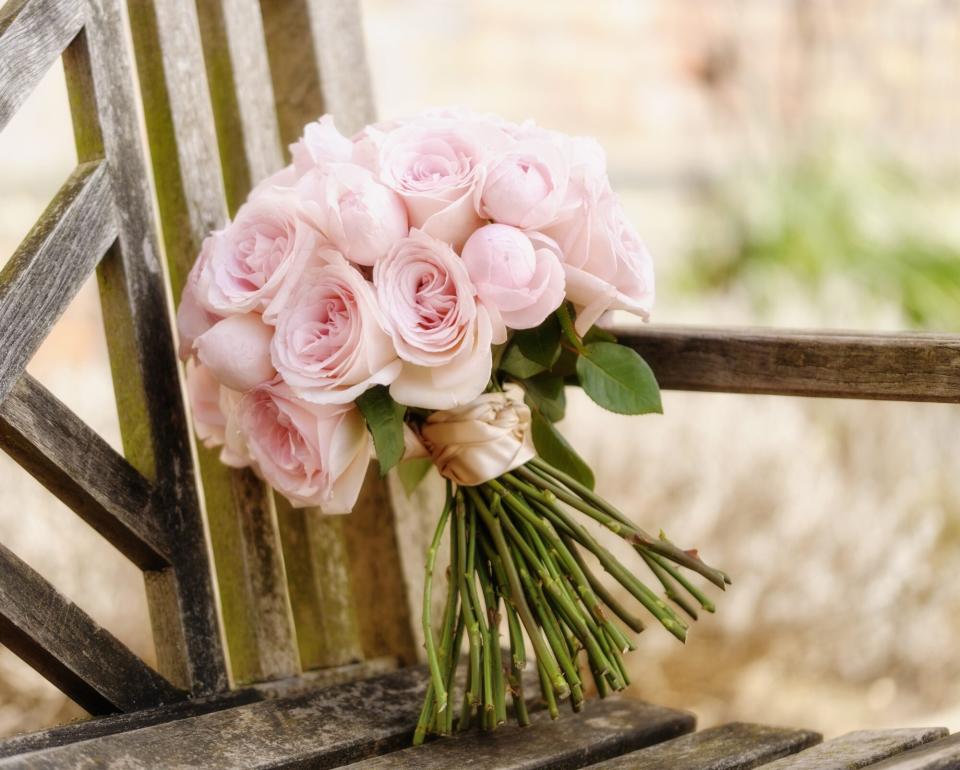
(817, 220)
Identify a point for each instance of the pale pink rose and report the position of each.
(267, 244)
(526, 185)
(203, 390)
(284, 178)
(358, 215)
(439, 329)
(330, 344)
(436, 165)
(320, 144)
(518, 283)
(313, 454)
(236, 350)
(192, 318)
(606, 264)
(213, 408)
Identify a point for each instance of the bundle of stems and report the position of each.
(515, 550)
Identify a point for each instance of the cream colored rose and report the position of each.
(481, 440)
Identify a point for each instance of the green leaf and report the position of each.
(384, 418)
(597, 334)
(411, 473)
(554, 449)
(516, 364)
(541, 344)
(618, 379)
(532, 351)
(545, 393)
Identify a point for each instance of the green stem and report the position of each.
(567, 327)
(436, 678)
(661, 546)
(543, 653)
(465, 574)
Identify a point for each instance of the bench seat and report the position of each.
(368, 723)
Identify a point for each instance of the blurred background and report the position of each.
(789, 164)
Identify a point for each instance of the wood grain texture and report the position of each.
(318, 64)
(315, 556)
(136, 316)
(33, 34)
(80, 468)
(943, 754)
(91, 729)
(603, 729)
(316, 729)
(735, 746)
(380, 596)
(234, 49)
(896, 367)
(65, 645)
(858, 749)
(257, 619)
(51, 264)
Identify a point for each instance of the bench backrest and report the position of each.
(225, 85)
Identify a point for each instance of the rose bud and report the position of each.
(520, 283)
(236, 350)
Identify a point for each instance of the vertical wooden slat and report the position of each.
(318, 65)
(241, 92)
(257, 619)
(152, 420)
(315, 554)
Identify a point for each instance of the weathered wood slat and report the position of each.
(317, 729)
(377, 583)
(235, 52)
(604, 729)
(180, 125)
(896, 367)
(153, 425)
(51, 265)
(65, 645)
(858, 749)
(99, 727)
(316, 560)
(735, 746)
(33, 34)
(84, 471)
(91, 729)
(943, 754)
(318, 64)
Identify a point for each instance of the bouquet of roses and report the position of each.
(426, 289)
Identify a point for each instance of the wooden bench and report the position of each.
(300, 651)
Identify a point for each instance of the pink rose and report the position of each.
(526, 185)
(439, 329)
(359, 216)
(320, 144)
(249, 261)
(236, 350)
(315, 455)
(213, 407)
(330, 344)
(435, 165)
(606, 264)
(192, 318)
(518, 283)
